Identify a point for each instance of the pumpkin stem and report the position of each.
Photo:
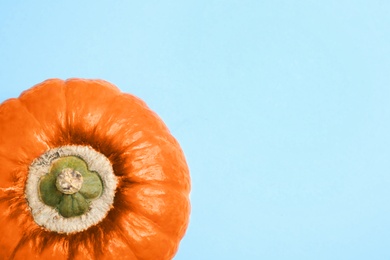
(69, 181)
(70, 188)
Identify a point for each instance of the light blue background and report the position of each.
(282, 109)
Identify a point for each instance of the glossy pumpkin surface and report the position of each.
(150, 212)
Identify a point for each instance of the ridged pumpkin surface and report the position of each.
(151, 206)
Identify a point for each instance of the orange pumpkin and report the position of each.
(50, 190)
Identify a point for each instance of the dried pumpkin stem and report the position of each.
(69, 181)
(70, 188)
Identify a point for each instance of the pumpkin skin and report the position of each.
(151, 208)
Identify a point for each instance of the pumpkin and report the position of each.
(89, 172)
